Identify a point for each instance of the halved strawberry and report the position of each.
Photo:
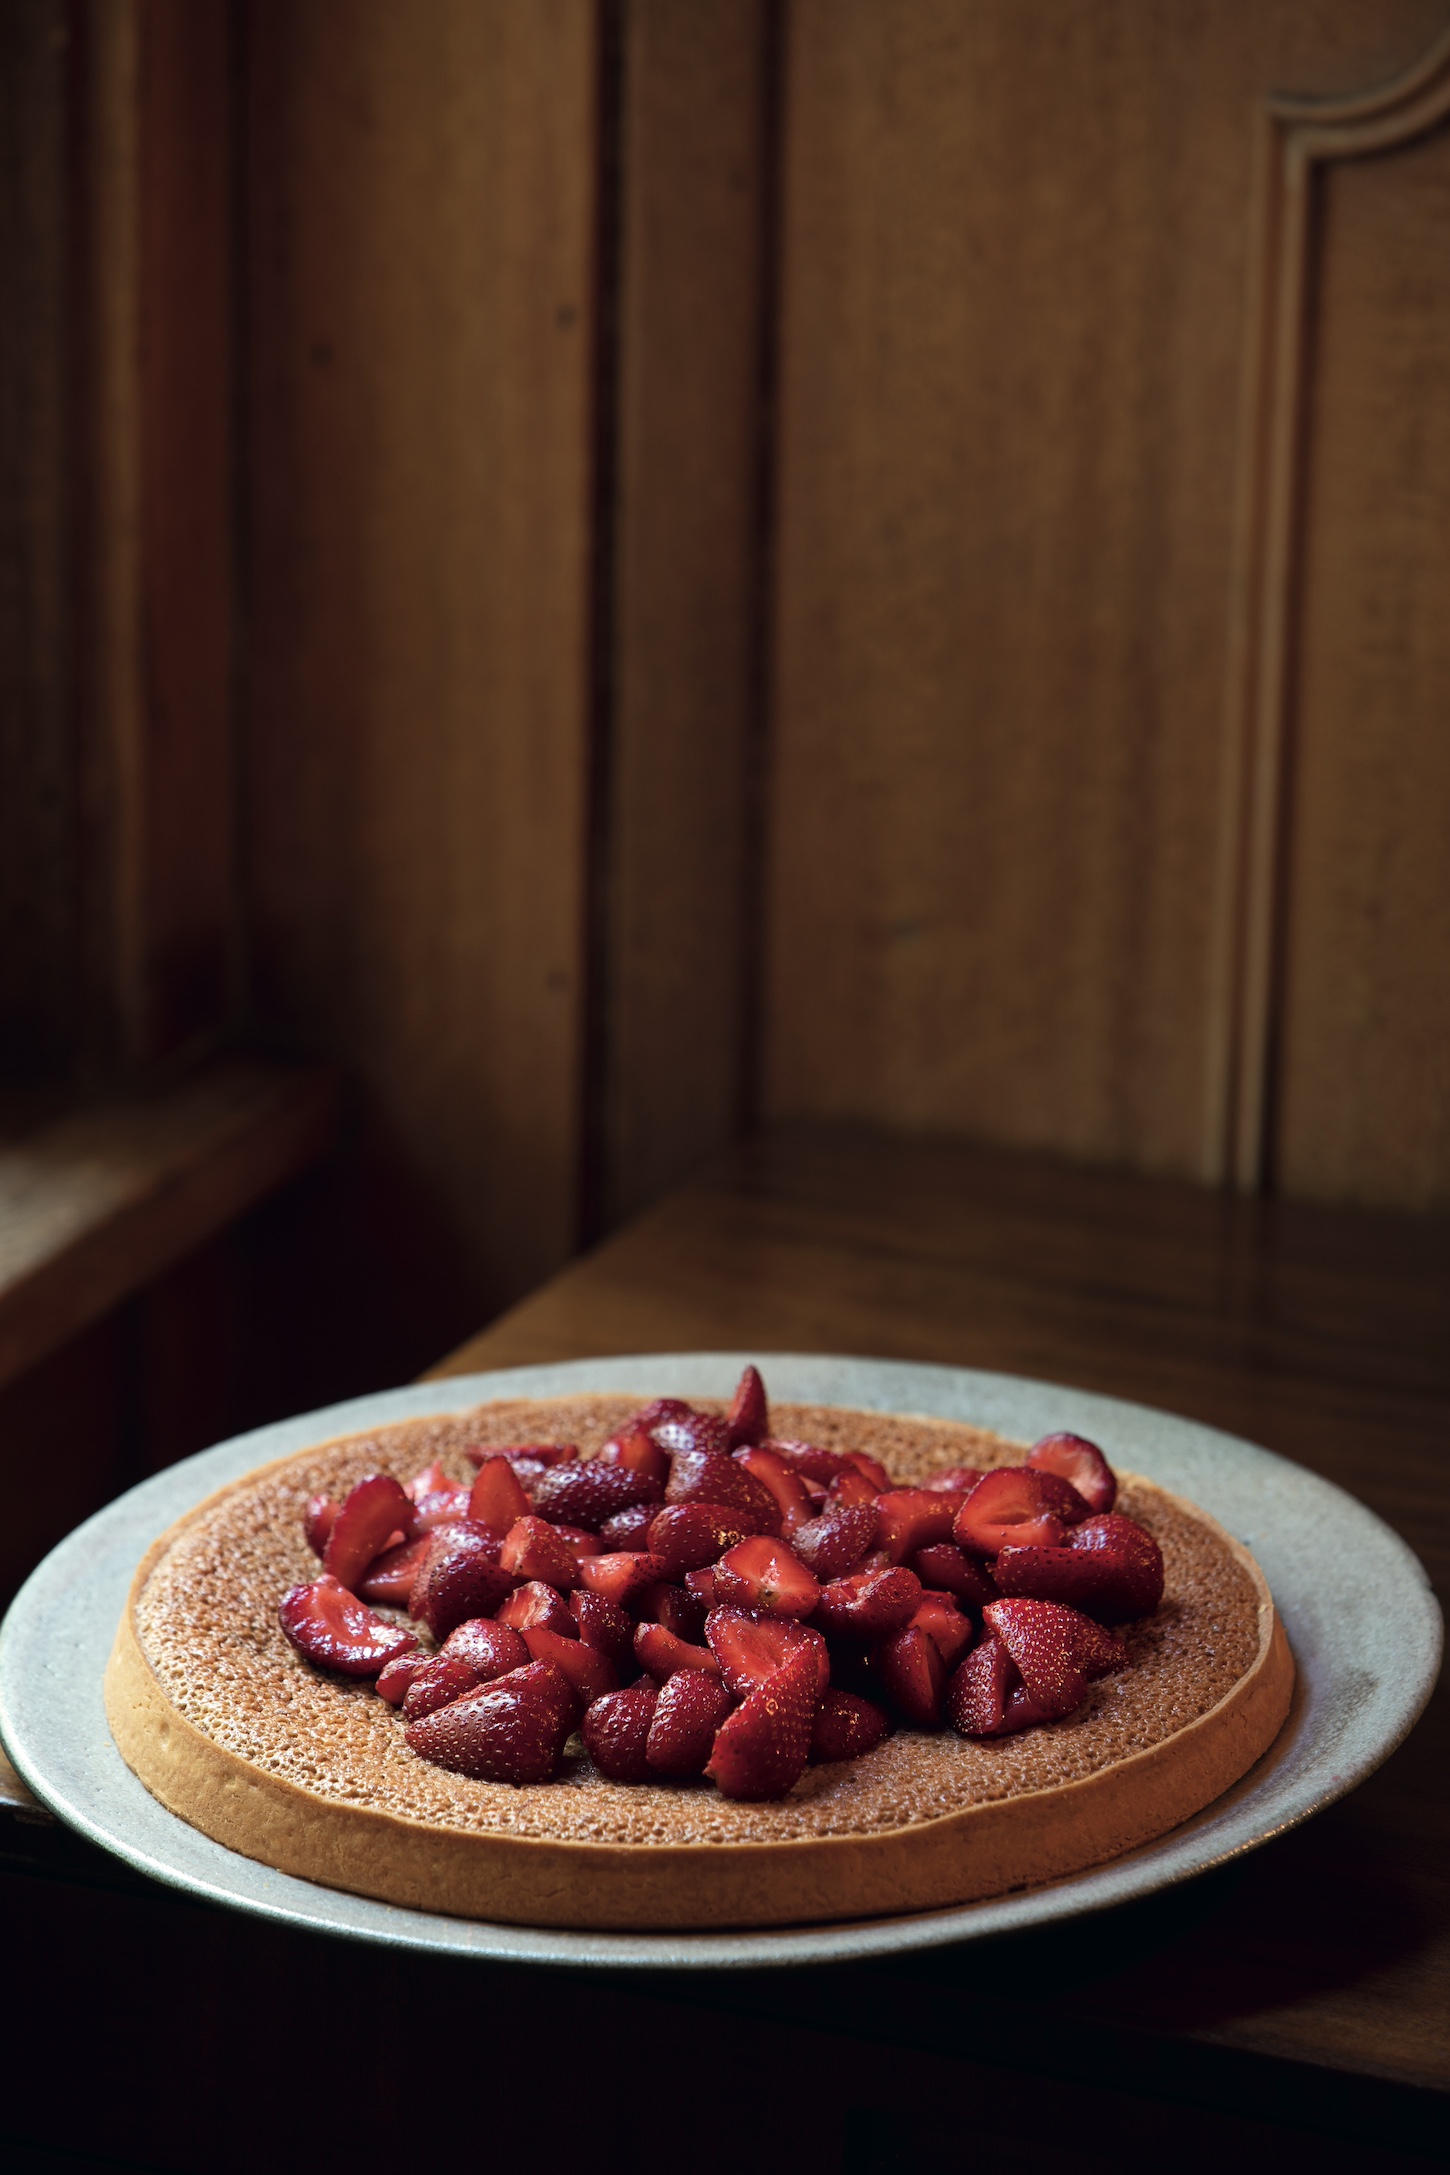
(1042, 1639)
(911, 1668)
(660, 1409)
(1062, 1498)
(699, 1476)
(945, 1624)
(1139, 1562)
(391, 1576)
(490, 1649)
(446, 1677)
(912, 1518)
(808, 1459)
(688, 1536)
(661, 1652)
(953, 1480)
(521, 1453)
(460, 1576)
(976, 1696)
(788, 1488)
(577, 1541)
(497, 1499)
(1081, 1462)
(512, 1730)
(428, 1482)
(835, 1541)
(375, 1513)
(396, 1675)
(761, 1749)
(585, 1492)
(765, 1575)
(675, 1607)
(532, 1550)
(702, 1585)
(1088, 1579)
(317, 1522)
(852, 1486)
(588, 1673)
(750, 1649)
(619, 1577)
(694, 1434)
(688, 1712)
(846, 1726)
(442, 1507)
(616, 1730)
(1008, 1505)
(637, 1448)
(603, 1625)
(945, 1569)
(534, 1604)
(747, 1421)
(872, 1468)
(626, 1530)
(330, 1626)
(869, 1604)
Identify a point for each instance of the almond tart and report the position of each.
(312, 1773)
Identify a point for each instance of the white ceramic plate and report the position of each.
(1363, 1624)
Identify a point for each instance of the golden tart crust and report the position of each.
(230, 1729)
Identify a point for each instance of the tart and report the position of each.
(310, 1772)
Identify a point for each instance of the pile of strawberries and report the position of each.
(701, 1600)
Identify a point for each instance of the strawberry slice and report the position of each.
(872, 1469)
(497, 1498)
(577, 1541)
(945, 1625)
(1062, 1498)
(976, 1697)
(675, 1607)
(1008, 1505)
(846, 1726)
(443, 1507)
(1081, 1462)
(330, 1626)
(1139, 1560)
(693, 1434)
(373, 1517)
(443, 1679)
(835, 1541)
(1042, 1639)
(460, 1576)
(391, 1576)
(661, 1652)
(534, 1604)
(765, 1575)
(750, 1649)
(808, 1459)
(588, 1673)
(533, 1550)
(585, 1492)
(944, 1568)
(699, 1476)
(621, 1576)
(869, 1604)
(428, 1482)
(790, 1492)
(523, 1453)
(490, 1649)
(317, 1522)
(660, 1409)
(953, 1480)
(912, 1518)
(512, 1730)
(688, 1536)
(616, 1731)
(627, 1529)
(911, 1668)
(702, 1585)
(852, 1486)
(747, 1421)
(688, 1713)
(603, 1625)
(637, 1449)
(761, 1749)
(395, 1676)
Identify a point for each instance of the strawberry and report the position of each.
(586, 1492)
(603, 1625)
(441, 1508)
(637, 1449)
(497, 1498)
(577, 1541)
(869, 1603)
(660, 1409)
(1080, 1578)
(853, 1487)
(767, 1576)
(912, 1518)
(1008, 1505)
(317, 1522)
(976, 1697)
(627, 1529)
(872, 1468)
(446, 1677)
(698, 1476)
(533, 1550)
(944, 1568)
(695, 1434)
(846, 1726)
(750, 1649)
(688, 1536)
(702, 1585)
(1139, 1560)
(512, 1730)
(619, 1577)
(945, 1624)
(395, 1676)
(952, 1480)
(524, 1453)
(688, 1712)
(661, 1652)
(836, 1540)
(678, 1610)
(490, 1649)
(616, 1730)
(428, 1482)
(747, 1421)
(1081, 1462)
(533, 1604)
(807, 1460)
(762, 1748)
(790, 1491)
(911, 1668)
(1042, 1639)
(1062, 1498)
(330, 1626)
(374, 1516)
(588, 1673)
(459, 1577)
(390, 1577)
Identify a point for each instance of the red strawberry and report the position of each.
(872, 1468)
(459, 1577)
(747, 1420)
(330, 1626)
(497, 1499)
(535, 1604)
(588, 1673)
(688, 1536)
(1042, 1639)
(911, 1668)
(952, 1480)
(661, 1653)
(444, 1507)
(446, 1677)
(750, 1649)
(945, 1624)
(852, 1486)
(577, 1541)
(512, 1730)
(807, 1459)
(524, 1453)
(616, 1730)
(1006, 1506)
(688, 1712)
(702, 1585)
(1079, 1578)
(976, 1698)
(375, 1514)
(586, 1492)
(652, 1415)
(835, 1542)
(846, 1726)
(944, 1568)
(765, 1575)
(693, 1434)
(430, 1481)
(395, 1676)
(619, 1577)
(390, 1577)
(869, 1603)
(603, 1625)
(490, 1649)
(912, 1518)
(637, 1449)
(678, 1610)
(1139, 1560)
(533, 1550)
(698, 1476)
(791, 1496)
(627, 1529)
(317, 1522)
(1062, 1498)
(761, 1749)
(1081, 1462)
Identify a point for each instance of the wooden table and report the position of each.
(1294, 2008)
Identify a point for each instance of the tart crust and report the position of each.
(234, 1733)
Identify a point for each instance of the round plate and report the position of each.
(1363, 1624)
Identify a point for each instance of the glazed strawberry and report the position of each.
(577, 1541)
(390, 1577)
(1008, 1505)
(512, 1730)
(702, 1585)
(688, 1712)
(1088, 1579)
(330, 1626)
(490, 1649)
(1138, 1556)
(445, 1678)
(586, 1492)
(947, 1570)
(637, 1449)
(869, 1604)
(619, 1577)
(1081, 1462)
(443, 1507)
(317, 1522)
(627, 1529)
(945, 1624)
(912, 1518)
(976, 1695)
(428, 1482)
(872, 1469)
(1062, 1498)
(693, 1434)
(697, 1476)
(658, 1410)
(497, 1498)
(395, 1676)
(675, 1607)
(852, 1486)
(836, 1540)
(588, 1673)
(952, 1480)
(761, 1749)
(660, 1652)
(747, 1420)
(688, 1536)
(375, 1514)
(533, 1550)
(533, 1604)
(616, 1730)
(1042, 1639)
(846, 1726)
(912, 1671)
(523, 1453)
(603, 1625)
(459, 1577)
(808, 1459)
(750, 1649)
(790, 1492)
(765, 1575)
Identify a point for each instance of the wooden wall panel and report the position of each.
(1016, 257)
(421, 206)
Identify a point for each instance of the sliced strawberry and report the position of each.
(698, 1476)
(1139, 1560)
(603, 1625)
(497, 1498)
(443, 1507)
(1092, 1580)
(661, 1652)
(836, 1540)
(846, 1726)
(637, 1449)
(675, 1607)
(428, 1482)
(976, 1696)
(627, 1529)
(588, 1673)
(330, 1626)
(747, 1421)
(702, 1585)
(1099, 1653)
(869, 1604)
(688, 1712)
(619, 1577)
(750, 1649)
(459, 1577)
(585, 1492)
(872, 1468)
(807, 1459)
(446, 1677)
(944, 1568)
(693, 1434)
(577, 1541)
(512, 1730)
(765, 1575)
(1006, 1506)
(616, 1730)
(490, 1649)
(375, 1514)
(911, 1668)
(1062, 1498)
(688, 1536)
(395, 1676)
(852, 1486)
(1082, 1463)
(390, 1577)
(533, 1550)
(660, 1409)
(535, 1604)
(523, 1453)
(317, 1522)
(945, 1624)
(912, 1518)
(761, 1749)
(952, 1480)
(1042, 1639)
(789, 1490)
